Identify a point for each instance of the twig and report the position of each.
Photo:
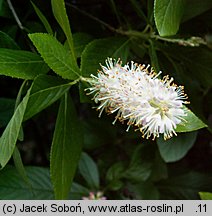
(15, 15)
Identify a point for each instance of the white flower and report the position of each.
(154, 105)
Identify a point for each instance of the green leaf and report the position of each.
(55, 55)
(59, 11)
(66, 148)
(45, 91)
(6, 110)
(89, 171)
(43, 19)
(196, 60)
(95, 135)
(78, 191)
(20, 167)
(84, 98)
(4, 9)
(205, 195)
(138, 47)
(21, 64)
(159, 168)
(184, 75)
(139, 171)
(17, 102)
(150, 12)
(46, 81)
(115, 185)
(140, 167)
(185, 186)
(115, 172)
(177, 147)
(98, 50)
(11, 133)
(80, 41)
(168, 14)
(192, 122)
(14, 188)
(7, 42)
(144, 191)
(195, 7)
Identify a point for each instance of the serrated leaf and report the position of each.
(21, 64)
(176, 148)
(205, 195)
(192, 122)
(168, 14)
(55, 55)
(59, 11)
(89, 171)
(66, 148)
(14, 188)
(43, 19)
(98, 50)
(7, 42)
(11, 133)
(45, 91)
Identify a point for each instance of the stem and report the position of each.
(86, 79)
(111, 28)
(157, 37)
(15, 15)
(81, 78)
(146, 34)
(75, 81)
(193, 41)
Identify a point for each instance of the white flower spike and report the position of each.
(154, 105)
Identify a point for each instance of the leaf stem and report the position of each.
(81, 78)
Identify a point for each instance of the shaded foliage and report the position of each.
(49, 49)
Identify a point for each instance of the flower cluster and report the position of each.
(95, 196)
(139, 96)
